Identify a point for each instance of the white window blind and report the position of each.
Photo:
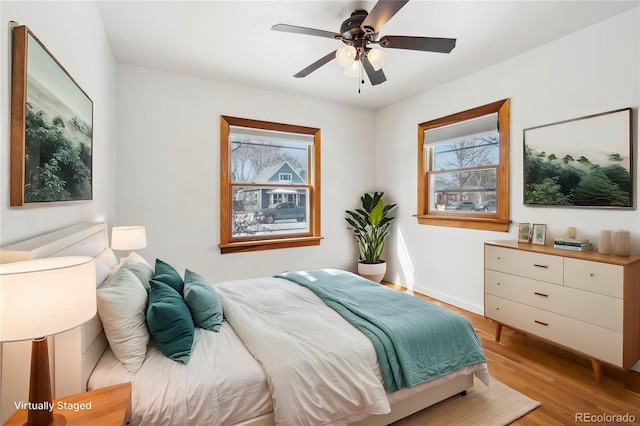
(273, 135)
(473, 128)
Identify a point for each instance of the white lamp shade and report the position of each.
(42, 297)
(345, 56)
(353, 71)
(377, 58)
(128, 237)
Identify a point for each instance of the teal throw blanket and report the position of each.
(415, 340)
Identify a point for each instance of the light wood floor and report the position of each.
(562, 381)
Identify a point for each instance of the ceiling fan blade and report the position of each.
(317, 64)
(380, 14)
(304, 30)
(427, 44)
(375, 77)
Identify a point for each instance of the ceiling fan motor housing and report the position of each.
(350, 28)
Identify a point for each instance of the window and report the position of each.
(463, 169)
(269, 185)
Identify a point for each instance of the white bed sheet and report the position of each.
(222, 384)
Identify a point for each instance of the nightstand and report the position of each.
(105, 406)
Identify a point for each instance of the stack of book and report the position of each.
(574, 244)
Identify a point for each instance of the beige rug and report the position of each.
(494, 405)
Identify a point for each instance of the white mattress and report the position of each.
(223, 388)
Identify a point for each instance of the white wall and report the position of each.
(591, 71)
(168, 163)
(73, 33)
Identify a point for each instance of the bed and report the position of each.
(255, 371)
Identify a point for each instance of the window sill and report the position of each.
(246, 246)
(483, 223)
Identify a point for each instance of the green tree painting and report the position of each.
(57, 158)
(550, 180)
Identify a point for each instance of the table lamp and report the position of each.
(39, 298)
(128, 238)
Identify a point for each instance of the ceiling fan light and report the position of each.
(353, 71)
(377, 58)
(345, 56)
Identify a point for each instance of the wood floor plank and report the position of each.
(561, 380)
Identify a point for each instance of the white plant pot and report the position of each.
(372, 271)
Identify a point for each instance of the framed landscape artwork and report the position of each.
(585, 162)
(51, 127)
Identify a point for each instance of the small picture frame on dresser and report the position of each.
(539, 234)
(524, 233)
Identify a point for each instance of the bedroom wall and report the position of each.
(591, 71)
(168, 170)
(73, 33)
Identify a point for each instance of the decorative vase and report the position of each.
(372, 271)
(622, 246)
(604, 244)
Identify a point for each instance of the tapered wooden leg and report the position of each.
(40, 384)
(597, 370)
(498, 331)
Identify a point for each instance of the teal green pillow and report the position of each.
(169, 322)
(203, 302)
(168, 275)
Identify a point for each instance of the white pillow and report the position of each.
(135, 257)
(140, 267)
(108, 257)
(122, 307)
(102, 272)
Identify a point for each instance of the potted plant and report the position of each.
(370, 226)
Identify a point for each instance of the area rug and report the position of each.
(493, 405)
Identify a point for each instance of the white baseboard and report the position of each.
(450, 300)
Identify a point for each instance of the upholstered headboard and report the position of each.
(74, 353)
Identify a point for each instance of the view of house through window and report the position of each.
(269, 183)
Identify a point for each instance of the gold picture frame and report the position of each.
(539, 234)
(524, 233)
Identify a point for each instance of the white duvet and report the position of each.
(320, 370)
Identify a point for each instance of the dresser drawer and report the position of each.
(593, 308)
(594, 341)
(525, 264)
(602, 278)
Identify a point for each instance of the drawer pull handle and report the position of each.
(592, 274)
(540, 294)
(541, 323)
(537, 265)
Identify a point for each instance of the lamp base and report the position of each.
(40, 401)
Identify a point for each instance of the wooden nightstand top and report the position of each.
(105, 406)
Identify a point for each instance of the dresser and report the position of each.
(582, 301)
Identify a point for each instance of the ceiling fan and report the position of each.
(359, 32)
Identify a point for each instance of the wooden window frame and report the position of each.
(230, 244)
(493, 221)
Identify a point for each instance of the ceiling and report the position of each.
(232, 41)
